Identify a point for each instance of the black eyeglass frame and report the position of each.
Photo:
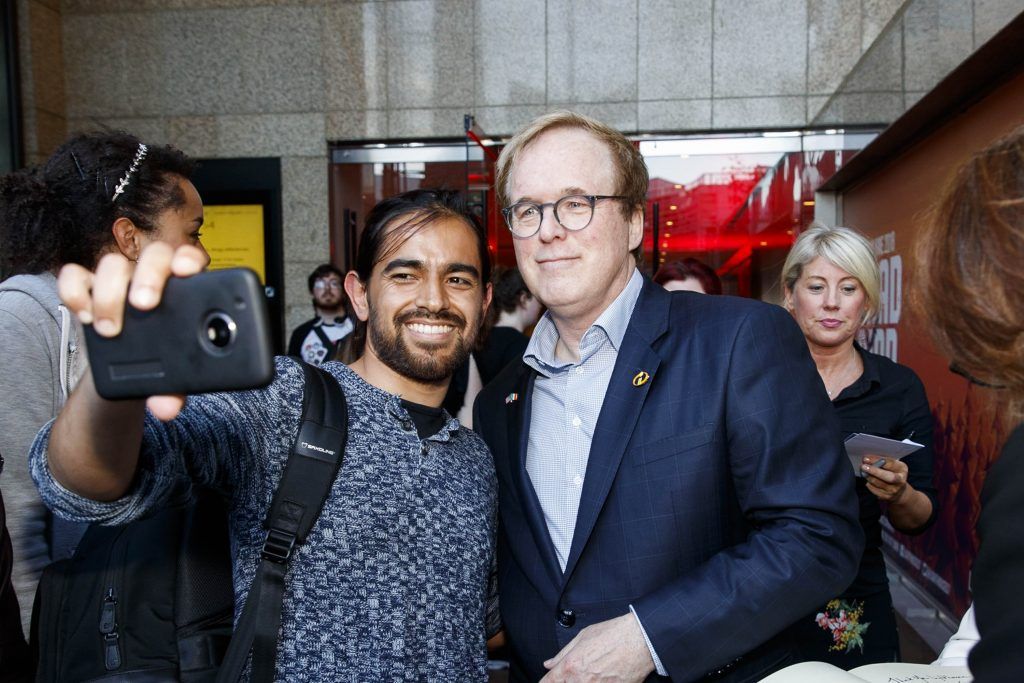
(592, 199)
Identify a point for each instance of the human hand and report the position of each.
(613, 650)
(886, 478)
(99, 298)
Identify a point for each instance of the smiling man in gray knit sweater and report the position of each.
(394, 582)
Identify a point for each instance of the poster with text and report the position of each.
(233, 236)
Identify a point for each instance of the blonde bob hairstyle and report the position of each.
(630, 169)
(843, 248)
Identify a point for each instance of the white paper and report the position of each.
(860, 445)
(820, 672)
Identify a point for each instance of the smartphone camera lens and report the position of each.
(220, 329)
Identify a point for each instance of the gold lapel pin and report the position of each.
(640, 378)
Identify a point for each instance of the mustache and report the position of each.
(449, 317)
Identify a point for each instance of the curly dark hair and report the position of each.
(62, 211)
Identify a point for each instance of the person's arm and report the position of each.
(998, 568)
(295, 341)
(793, 484)
(94, 444)
(960, 644)
(906, 486)
(150, 453)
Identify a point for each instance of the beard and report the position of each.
(431, 365)
(328, 302)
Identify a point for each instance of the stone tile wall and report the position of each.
(41, 63)
(921, 45)
(227, 78)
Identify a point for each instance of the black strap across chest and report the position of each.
(312, 467)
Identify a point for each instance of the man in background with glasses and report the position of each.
(672, 487)
(316, 340)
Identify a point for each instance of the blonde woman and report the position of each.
(831, 286)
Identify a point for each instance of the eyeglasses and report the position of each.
(327, 284)
(573, 212)
(956, 369)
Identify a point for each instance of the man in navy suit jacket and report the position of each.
(672, 488)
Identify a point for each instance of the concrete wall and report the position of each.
(917, 49)
(228, 78)
(41, 63)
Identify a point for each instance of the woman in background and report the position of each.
(688, 275)
(514, 310)
(971, 268)
(97, 193)
(831, 284)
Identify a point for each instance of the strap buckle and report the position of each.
(278, 546)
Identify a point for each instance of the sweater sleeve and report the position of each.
(221, 441)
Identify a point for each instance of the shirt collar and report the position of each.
(868, 378)
(392, 403)
(610, 325)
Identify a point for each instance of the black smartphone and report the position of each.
(209, 333)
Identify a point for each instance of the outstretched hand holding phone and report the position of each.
(99, 298)
(94, 444)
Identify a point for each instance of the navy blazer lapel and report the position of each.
(635, 371)
(519, 404)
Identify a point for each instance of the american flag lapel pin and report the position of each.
(511, 398)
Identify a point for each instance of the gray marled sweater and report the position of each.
(392, 584)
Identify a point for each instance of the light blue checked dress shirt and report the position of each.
(567, 400)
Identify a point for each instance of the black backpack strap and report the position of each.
(318, 329)
(305, 484)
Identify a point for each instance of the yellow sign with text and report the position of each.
(233, 236)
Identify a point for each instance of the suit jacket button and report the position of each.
(566, 618)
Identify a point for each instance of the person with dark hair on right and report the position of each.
(98, 193)
(970, 258)
(688, 275)
(317, 340)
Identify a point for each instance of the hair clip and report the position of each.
(139, 156)
(81, 173)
